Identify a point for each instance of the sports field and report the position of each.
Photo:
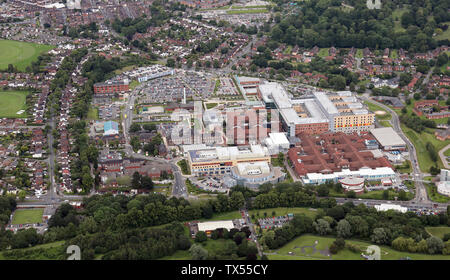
(27, 216)
(12, 103)
(20, 54)
(306, 248)
(438, 231)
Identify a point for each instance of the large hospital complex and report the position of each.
(317, 113)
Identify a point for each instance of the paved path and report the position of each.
(443, 157)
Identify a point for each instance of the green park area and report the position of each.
(305, 247)
(438, 231)
(27, 216)
(20, 54)
(13, 102)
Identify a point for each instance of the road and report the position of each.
(253, 235)
(443, 157)
(421, 192)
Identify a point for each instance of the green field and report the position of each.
(438, 231)
(419, 141)
(385, 123)
(27, 216)
(20, 54)
(373, 107)
(444, 35)
(224, 216)
(283, 211)
(12, 102)
(359, 53)
(393, 54)
(324, 242)
(434, 195)
(447, 153)
(49, 251)
(92, 113)
(323, 52)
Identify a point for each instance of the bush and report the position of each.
(333, 249)
(353, 247)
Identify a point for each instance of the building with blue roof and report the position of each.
(110, 128)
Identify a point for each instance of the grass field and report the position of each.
(434, 195)
(225, 216)
(419, 141)
(402, 168)
(393, 54)
(282, 212)
(92, 114)
(359, 53)
(249, 11)
(12, 102)
(323, 52)
(324, 242)
(27, 216)
(444, 35)
(438, 231)
(447, 153)
(385, 123)
(49, 251)
(20, 54)
(373, 107)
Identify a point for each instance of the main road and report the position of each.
(421, 192)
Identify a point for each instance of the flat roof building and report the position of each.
(386, 207)
(220, 160)
(210, 226)
(317, 113)
(388, 138)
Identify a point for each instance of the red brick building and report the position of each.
(111, 87)
(329, 153)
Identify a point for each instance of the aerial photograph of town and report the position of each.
(236, 130)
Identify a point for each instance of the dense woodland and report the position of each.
(149, 226)
(327, 23)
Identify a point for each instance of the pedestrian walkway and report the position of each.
(443, 157)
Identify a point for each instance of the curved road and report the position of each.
(421, 192)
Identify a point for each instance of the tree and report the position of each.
(386, 194)
(170, 62)
(135, 127)
(322, 227)
(434, 245)
(146, 183)
(237, 200)
(136, 180)
(323, 190)
(344, 229)
(380, 236)
(198, 252)
(88, 225)
(446, 250)
(200, 237)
